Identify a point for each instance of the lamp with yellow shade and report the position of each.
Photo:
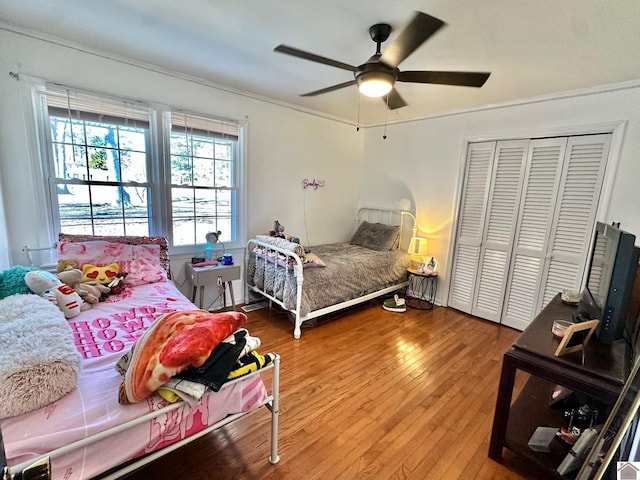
(418, 252)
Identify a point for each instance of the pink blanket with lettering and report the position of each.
(102, 334)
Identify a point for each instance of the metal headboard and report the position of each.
(404, 218)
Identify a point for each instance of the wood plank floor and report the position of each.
(367, 394)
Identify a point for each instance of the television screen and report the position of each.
(603, 257)
(610, 278)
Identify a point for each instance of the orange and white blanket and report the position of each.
(175, 342)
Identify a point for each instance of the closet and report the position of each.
(526, 216)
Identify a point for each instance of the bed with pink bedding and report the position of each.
(73, 432)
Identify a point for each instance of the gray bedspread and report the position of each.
(351, 271)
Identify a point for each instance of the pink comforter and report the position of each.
(102, 334)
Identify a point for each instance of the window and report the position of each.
(204, 183)
(108, 176)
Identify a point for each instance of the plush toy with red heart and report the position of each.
(103, 275)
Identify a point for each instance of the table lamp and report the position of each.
(212, 239)
(418, 252)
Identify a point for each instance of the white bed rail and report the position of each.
(272, 403)
(403, 218)
(288, 260)
(50, 265)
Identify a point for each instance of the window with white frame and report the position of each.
(204, 186)
(113, 170)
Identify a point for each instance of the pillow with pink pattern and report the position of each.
(141, 263)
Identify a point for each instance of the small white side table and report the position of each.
(219, 275)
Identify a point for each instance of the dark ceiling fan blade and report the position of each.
(463, 79)
(394, 100)
(313, 57)
(329, 89)
(421, 27)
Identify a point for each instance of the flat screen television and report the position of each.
(610, 279)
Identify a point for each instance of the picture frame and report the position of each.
(576, 337)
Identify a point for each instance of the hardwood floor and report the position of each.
(367, 394)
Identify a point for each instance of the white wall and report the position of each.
(420, 162)
(284, 146)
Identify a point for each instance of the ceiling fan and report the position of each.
(377, 76)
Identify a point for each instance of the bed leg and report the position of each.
(297, 321)
(275, 410)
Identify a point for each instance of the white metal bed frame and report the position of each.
(369, 214)
(36, 468)
(39, 468)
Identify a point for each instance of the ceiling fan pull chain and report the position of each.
(384, 134)
(358, 121)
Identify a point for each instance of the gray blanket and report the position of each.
(351, 271)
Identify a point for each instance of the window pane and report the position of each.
(108, 210)
(182, 202)
(184, 233)
(205, 203)
(134, 166)
(98, 133)
(181, 170)
(203, 172)
(132, 139)
(202, 147)
(99, 159)
(69, 161)
(60, 129)
(224, 174)
(74, 206)
(182, 206)
(223, 202)
(223, 151)
(135, 201)
(75, 226)
(179, 143)
(109, 226)
(137, 228)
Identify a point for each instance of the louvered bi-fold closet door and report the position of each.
(559, 203)
(575, 215)
(537, 206)
(471, 221)
(499, 228)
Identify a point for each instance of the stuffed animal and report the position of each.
(116, 286)
(66, 264)
(90, 292)
(278, 230)
(103, 275)
(50, 287)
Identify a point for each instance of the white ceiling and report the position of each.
(532, 48)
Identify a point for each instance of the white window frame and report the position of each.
(158, 169)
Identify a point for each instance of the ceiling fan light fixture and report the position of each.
(375, 84)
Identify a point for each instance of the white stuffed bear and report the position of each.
(50, 287)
